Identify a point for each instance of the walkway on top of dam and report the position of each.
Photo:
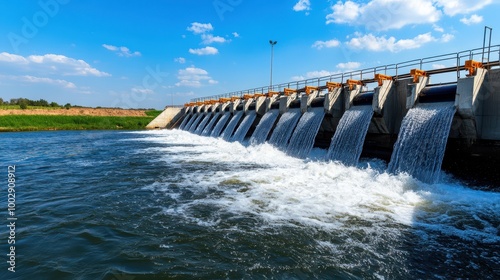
(397, 71)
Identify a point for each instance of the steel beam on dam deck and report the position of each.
(310, 93)
(381, 92)
(289, 96)
(332, 96)
(353, 89)
(420, 81)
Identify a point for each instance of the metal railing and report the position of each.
(400, 70)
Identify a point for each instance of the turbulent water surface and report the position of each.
(171, 204)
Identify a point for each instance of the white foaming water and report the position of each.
(245, 125)
(347, 142)
(203, 123)
(302, 140)
(264, 127)
(280, 190)
(208, 128)
(231, 126)
(284, 128)
(220, 124)
(422, 139)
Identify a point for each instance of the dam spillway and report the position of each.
(354, 118)
(421, 143)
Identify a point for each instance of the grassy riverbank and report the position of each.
(60, 122)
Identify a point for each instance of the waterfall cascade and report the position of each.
(190, 122)
(422, 139)
(284, 128)
(184, 122)
(302, 140)
(265, 125)
(220, 124)
(347, 142)
(194, 125)
(245, 125)
(208, 128)
(231, 126)
(203, 123)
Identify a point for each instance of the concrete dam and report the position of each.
(418, 120)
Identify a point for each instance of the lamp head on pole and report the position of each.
(273, 42)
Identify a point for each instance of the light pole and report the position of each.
(272, 55)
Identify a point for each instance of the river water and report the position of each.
(170, 204)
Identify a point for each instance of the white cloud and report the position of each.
(142, 90)
(121, 51)
(454, 7)
(209, 39)
(180, 60)
(110, 47)
(447, 37)
(194, 77)
(302, 5)
(199, 28)
(326, 44)
(236, 35)
(41, 80)
(204, 51)
(382, 15)
(13, 58)
(51, 64)
(349, 65)
(473, 19)
(313, 74)
(56, 82)
(378, 44)
(437, 28)
(344, 13)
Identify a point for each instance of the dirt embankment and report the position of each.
(77, 112)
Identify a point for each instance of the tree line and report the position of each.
(23, 103)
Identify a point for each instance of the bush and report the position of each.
(23, 105)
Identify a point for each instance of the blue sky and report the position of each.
(148, 54)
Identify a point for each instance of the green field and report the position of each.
(42, 122)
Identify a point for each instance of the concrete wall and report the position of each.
(169, 115)
(488, 115)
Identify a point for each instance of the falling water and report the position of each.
(203, 123)
(302, 140)
(231, 126)
(284, 128)
(193, 126)
(422, 139)
(347, 142)
(184, 122)
(220, 124)
(245, 125)
(190, 122)
(208, 128)
(265, 125)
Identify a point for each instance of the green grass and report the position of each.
(153, 113)
(40, 122)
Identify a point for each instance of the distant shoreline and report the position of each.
(77, 111)
(76, 118)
